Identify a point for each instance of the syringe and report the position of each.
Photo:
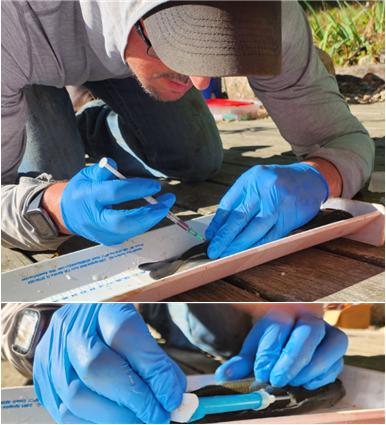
(103, 163)
(194, 408)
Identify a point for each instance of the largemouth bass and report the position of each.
(163, 268)
(302, 400)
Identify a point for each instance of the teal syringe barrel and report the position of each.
(232, 403)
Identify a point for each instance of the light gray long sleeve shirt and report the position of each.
(61, 43)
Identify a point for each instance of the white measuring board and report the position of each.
(364, 402)
(97, 273)
(111, 273)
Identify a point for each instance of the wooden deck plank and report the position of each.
(12, 259)
(235, 157)
(362, 252)
(365, 195)
(228, 174)
(311, 275)
(219, 291)
(75, 243)
(193, 196)
(261, 133)
(368, 290)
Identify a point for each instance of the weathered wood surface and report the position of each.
(13, 259)
(338, 270)
(219, 291)
(228, 174)
(359, 251)
(368, 290)
(312, 275)
(193, 196)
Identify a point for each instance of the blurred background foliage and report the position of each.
(348, 30)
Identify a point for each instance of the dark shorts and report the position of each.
(218, 329)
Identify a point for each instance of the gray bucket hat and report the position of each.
(217, 38)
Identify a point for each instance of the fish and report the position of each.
(301, 401)
(323, 217)
(160, 269)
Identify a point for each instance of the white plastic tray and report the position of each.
(364, 401)
(111, 273)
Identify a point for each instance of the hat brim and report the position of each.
(218, 39)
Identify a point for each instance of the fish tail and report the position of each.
(154, 265)
(165, 269)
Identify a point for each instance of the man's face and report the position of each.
(154, 76)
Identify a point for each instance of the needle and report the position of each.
(103, 163)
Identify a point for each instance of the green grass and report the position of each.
(348, 31)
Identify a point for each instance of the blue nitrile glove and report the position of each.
(98, 363)
(289, 345)
(86, 205)
(265, 204)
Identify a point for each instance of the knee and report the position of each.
(201, 166)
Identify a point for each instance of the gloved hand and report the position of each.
(265, 204)
(86, 205)
(98, 363)
(289, 345)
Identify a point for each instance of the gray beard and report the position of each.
(155, 94)
(150, 91)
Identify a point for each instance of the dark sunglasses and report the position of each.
(150, 49)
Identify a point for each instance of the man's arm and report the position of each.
(269, 201)
(16, 230)
(311, 114)
(10, 314)
(330, 173)
(51, 203)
